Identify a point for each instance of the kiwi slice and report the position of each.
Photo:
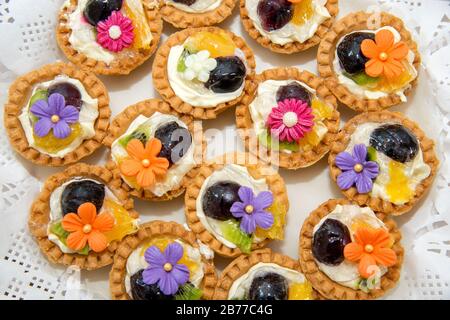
(188, 292)
(362, 79)
(266, 140)
(142, 133)
(40, 94)
(233, 233)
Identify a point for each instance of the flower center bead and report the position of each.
(368, 248)
(114, 32)
(358, 167)
(87, 228)
(167, 267)
(54, 118)
(249, 209)
(290, 119)
(383, 56)
(146, 163)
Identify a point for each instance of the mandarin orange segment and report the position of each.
(300, 291)
(309, 141)
(217, 44)
(398, 188)
(303, 11)
(124, 224)
(392, 84)
(321, 110)
(52, 144)
(142, 33)
(278, 211)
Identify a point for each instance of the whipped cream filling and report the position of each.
(136, 262)
(199, 6)
(234, 173)
(194, 92)
(56, 213)
(415, 171)
(241, 286)
(362, 92)
(177, 171)
(346, 273)
(265, 100)
(87, 117)
(290, 32)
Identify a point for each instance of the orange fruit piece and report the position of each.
(124, 224)
(142, 33)
(303, 11)
(397, 188)
(321, 110)
(217, 44)
(278, 211)
(392, 84)
(300, 291)
(52, 144)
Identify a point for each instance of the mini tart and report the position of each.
(326, 54)
(426, 145)
(182, 19)
(161, 80)
(256, 170)
(40, 217)
(20, 94)
(241, 265)
(291, 47)
(321, 282)
(147, 231)
(119, 66)
(294, 160)
(147, 108)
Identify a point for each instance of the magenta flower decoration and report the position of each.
(356, 170)
(251, 210)
(164, 268)
(116, 32)
(290, 120)
(54, 114)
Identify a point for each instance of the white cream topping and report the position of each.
(265, 100)
(87, 116)
(346, 273)
(56, 213)
(415, 170)
(366, 93)
(199, 6)
(234, 173)
(241, 286)
(137, 262)
(177, 171)
(83, 37)
(290, 32)
(195, 92)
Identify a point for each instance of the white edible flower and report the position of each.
(198, 66)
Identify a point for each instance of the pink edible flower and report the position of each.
(116, 32)
(290, 120)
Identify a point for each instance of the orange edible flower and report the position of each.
(385, 55)
(371, 247)
(87, 227)
(144, 163)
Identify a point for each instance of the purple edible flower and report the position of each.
(164, 268)
(54, 114)
(356, 170)
(251, 210)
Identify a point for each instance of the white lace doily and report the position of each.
(28, 41)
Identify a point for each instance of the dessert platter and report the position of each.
(225, 150)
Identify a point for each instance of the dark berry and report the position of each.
(395, 141)
(186, 2)
(274, 14)
(78, 192)
(142, 291)
(227, 76)
(99, 10)
(329, 242)
(175, 141)
(70, 93)
(219, 198)
(294, 91)
(271, 286)
(349, 52)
